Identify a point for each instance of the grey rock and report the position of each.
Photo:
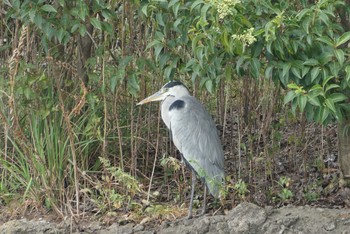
(30, 227)
(139, 227)
(288, 222)
(117, 229)
(246, 218)
(329, 226)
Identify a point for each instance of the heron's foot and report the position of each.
(196, 215)
(189, 216)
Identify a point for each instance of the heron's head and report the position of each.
(172, 88)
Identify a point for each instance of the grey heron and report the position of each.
(194, 134)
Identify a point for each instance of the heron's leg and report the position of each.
(204, 200)
(171, 139)
(192, 193)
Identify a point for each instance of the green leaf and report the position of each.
(239, 64)
(293, 86)
(60, 34)
(124, 61)
(324, 114)
(326, 57)
(96, 23)
(144, 9)
(48, 8)
(334, 68)
(316, 90)
(204, 11)
(314, 100)
(289, 97)
(311, 62)
(326, 81)
(331, 86)
(228, 73)
(75, 27)
(324, 17)
(157, 49)
(176, 9)
(82, 30)
(62, 3)
(160, 20)
(302, 100)
(167, 72)
(296, 72)
(113, 82)
(268, 72)
(209, 85)
(305, 70)
(177, 22)
(153, 43)
(337, 97)
(325, 40)
(294, 106)
(38, 20)
(133, 86)
(343, 39)
(255, 63)
(314, 73)
(163, 60)
(302, 13)
(172, 3)
(347, 71)
(286, 67)
(107, 27)
(306, 25)
(339, 54)
(330, 105)
(196, 3)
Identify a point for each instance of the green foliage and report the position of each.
(313, 192)
(57, 122)
(299, 44)
(310, 58)
(116, 175)
(241, 188)
(115, 191)
(285, 193)
(161, 211)
(62, 20)
(170, 164)
(40, 165)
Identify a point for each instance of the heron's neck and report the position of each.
(165, 105)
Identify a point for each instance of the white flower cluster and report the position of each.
(224, 7)
(246, 38)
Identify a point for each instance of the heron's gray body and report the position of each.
(195, 135)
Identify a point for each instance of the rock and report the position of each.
(139, 227)
(117, 229)
(288, 222)
(329, 226)
(242, 219)
(246, 217)
(29, 227)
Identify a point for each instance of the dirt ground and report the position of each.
(244, 218)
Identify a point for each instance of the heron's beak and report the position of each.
(158, 96)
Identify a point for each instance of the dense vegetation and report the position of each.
(271, 72)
